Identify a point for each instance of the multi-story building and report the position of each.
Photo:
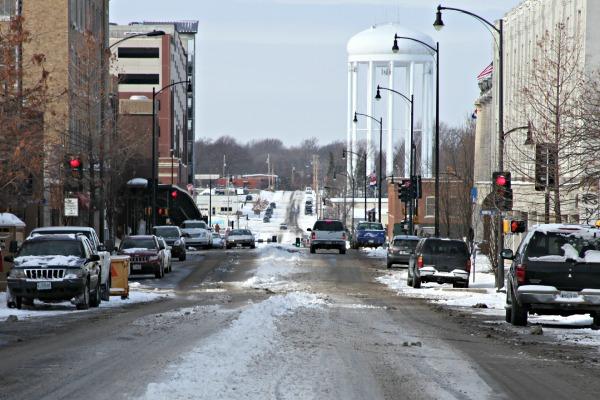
(529, 29)
(72, 36)
(148, 63)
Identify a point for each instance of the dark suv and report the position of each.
(174, 238)
(145, 255)
(556, 270)
(400, 249)
(440, 260)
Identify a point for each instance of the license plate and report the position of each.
(371, 241)
(44, 285)
(569, 295)
(136, 267)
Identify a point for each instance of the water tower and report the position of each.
(410, 71)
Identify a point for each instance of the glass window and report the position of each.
(328, 225)
(139, 79)
(138, 52)
(406, 244)
(430, 206)
(167, 232)
(7, 8)
(138, 243)
(194, 225)
(370, 226)
(52, 248)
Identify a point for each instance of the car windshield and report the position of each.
(167, 232)
(52, 248)
(554, 244)
(63, 232)
(194, 225)
(405, 244)
(138, 243)
(370, 226)
(237, 232)
(328, 225)
(216, 235)
(446, 247)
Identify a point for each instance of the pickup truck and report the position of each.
(368, 234)
(328, 234)
(555, 270)
(98, 247)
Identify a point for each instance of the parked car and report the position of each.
(54, 268)
(248, 197)
(556, 270)
(400, 249)
(308, 210)
(283, 227)
(174, 238)
(217, 241)
(440, 260)
(368, 234)
(328, 234)
(240, 238)
(144, 252)
(165, 254)
(269, 212)
(102, 251)
(199, 234)
(273, 205)
(308, 190)
(266, 218)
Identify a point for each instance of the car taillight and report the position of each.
(343, 236)
(468, 265)
(521, 273)
(420, 262)
(313, 236)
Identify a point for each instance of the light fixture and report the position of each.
(155, 33)
(395, 47)
(355, 120)
(438, 24)
(378, 95)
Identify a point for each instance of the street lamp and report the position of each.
(344, 152)
(435, 49)
(380, 122)
(154, 166)
(411, 101)
(438, 25)
(147, 34)
(345, 195)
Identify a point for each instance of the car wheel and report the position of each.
(160, 273)
(596, 323)
(105, 293)
(95, 299)
(182, 257)
(18, 302)
(313, 250)
(409, 278)
(342, 250)
(389, 264)
(84, 298)
(518, 314)
(507, 308)
(416, 282)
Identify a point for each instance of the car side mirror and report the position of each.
(13, 246)
(186, 235)
(101, 247)
(9, 258)
(507, 254)
(95, 257)
(116, 249)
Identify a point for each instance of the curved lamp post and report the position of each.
(411, 101)
(147, 34)
(364, 156)
(380, 175)
(436, 50)
(154, 166)
(438, 25)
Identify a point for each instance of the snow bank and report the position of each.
(221, 366)
(8, 219)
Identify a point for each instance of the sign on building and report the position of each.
(71, 207)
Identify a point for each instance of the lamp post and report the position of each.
(379, 178)
(147, 34)
(435, 49)
(438, 25)
(154, 157)
(345, 194)
(365, 189)
(413, 167)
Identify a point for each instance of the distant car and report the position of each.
(199, 234)
(266, 218)
(308, 190)
(144, 253)
(439, 260)
(240, 238)
(273, 205)
(283, 226)
(217, 241)
(248, 197)
(400, 249)
(174, 238)
(368, 234)
(328, 234)
(165, 254)
(269, 212)
(308, 210)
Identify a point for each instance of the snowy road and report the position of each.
(279, 323)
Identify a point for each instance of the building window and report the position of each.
(139, 79)
(429, 206)
(138, 52)
(8, 8)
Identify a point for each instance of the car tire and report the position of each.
(342, 251)
(105, 293)
(18, 302)
(182, 257)
(313, 250)
(84, 304)
(518, 314)
(389, 265)
(409, 278)
(596, 321)
(95, 299)
(416, 282)
(160, 273)
(507, 308)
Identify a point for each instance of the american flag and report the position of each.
(486, 72)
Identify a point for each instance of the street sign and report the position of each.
(71, 207)
(473, 195)
(488, 212)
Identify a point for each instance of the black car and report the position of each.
(440, 260)
(248, 197)
(54, 268)
(273, 205)
(400, 249)
(174, 238)
(556, 270)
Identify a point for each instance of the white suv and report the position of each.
(328, 234)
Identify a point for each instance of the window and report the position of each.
(7, 8)
(138, 52)
(139, 79)
(429, 206)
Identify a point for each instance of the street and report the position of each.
(277, 322)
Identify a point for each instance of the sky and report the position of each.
(278, 68)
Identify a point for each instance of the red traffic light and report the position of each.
(518, 226)
(174, 194)
(75, 163)
(501, 180)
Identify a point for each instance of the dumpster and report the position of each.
(119, 276)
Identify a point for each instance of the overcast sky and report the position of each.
(277, 68)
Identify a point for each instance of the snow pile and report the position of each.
(8, 219)
(221, 366)
(378, 252)
(135, 250)
(47, 261)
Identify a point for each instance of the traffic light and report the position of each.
(546, 156)
(405, 190)
(163, 212)
(501, 188)
(518, 226)
(174, 194)
(75, 165)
